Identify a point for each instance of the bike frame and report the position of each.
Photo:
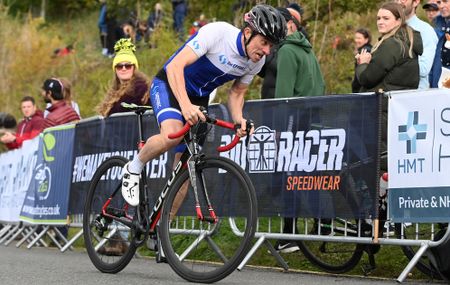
(188, 159)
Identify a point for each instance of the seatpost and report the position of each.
(141, 142)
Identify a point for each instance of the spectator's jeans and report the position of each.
(178, 24)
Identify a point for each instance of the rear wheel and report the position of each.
(208, 251)
(420, 231)
(107, 241)
(333, 257)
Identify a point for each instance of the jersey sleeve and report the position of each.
(207, 37)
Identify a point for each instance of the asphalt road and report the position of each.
(49, 266)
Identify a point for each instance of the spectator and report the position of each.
(298, 71)
(393, 63)
(442, 27)
(129, 85)
(362, 41)
(30, 126)
(129, 31)
(179, 13)
(194, 28)
(155, 18)
(68, 96)
(431, 10)
(7, 122)
(269, 70)
(103, 27)
(299, 9)
(60, 52)
(202, 20)
(429, 40)
(294, 68)
(114, 27)
(143, 32)
(67, 93)
(59, 112)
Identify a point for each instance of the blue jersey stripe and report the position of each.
(202, 77)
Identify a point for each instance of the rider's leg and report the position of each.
(159, 144)
(154, 147)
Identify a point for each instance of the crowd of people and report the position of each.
(119, 22)
(409, 54)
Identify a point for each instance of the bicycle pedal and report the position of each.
(152, 243)
(367, 269)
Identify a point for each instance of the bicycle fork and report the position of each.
(212, 218)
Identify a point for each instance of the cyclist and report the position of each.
(216, 54)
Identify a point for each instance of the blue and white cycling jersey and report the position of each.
(221, 59)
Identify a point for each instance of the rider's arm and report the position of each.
(175, 76)
(236, 104)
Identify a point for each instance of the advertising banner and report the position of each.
(16, 170)
(46, 201)
(309, 157)
(419, 156)
(98, 139)
(312, 157)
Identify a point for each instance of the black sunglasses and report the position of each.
(127, 66)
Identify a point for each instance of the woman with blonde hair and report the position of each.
(128, 85)
(393, 62)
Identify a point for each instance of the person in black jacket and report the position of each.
(393, 63)
(362, 41)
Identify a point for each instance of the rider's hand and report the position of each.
(191, 113)
(241, 132)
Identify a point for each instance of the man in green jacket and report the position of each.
(297, 75)
(298, 71)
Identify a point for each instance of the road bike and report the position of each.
(188, 220)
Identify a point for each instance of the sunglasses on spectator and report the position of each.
(127, 66)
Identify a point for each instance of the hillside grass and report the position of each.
(28, 44)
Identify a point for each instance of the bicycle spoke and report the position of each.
(208, 250)
(106, 219)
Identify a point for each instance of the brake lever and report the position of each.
(250, 126)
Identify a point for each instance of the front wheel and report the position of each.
(208, 251)
(107, 240)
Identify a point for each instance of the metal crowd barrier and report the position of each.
(274, 231)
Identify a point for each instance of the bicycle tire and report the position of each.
(108, 251)
(332, 257)
(203, 252)
(423, 265)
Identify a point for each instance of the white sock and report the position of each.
(136, 165)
